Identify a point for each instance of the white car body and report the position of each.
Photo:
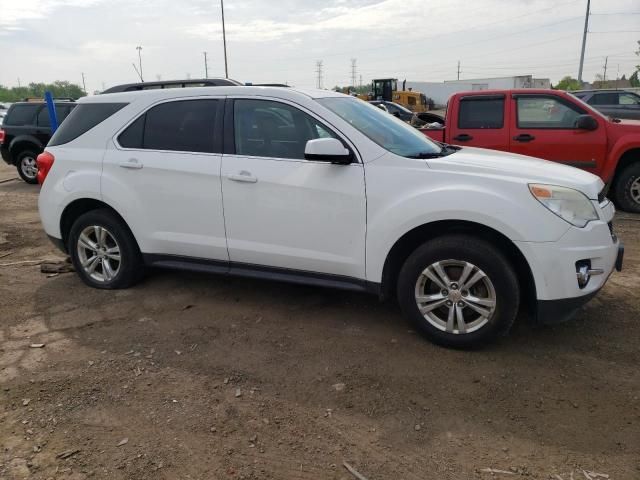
(320, 222)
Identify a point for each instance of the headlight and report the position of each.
(569, 204)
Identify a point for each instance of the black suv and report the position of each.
(613, 103)
(25, 132)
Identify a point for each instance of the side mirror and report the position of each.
(586, 122)
(396, 114)
(327, 150)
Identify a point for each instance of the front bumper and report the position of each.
(557, 311)
(554, 267)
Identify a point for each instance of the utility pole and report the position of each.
(19, 86)
(584, 41)
(604, 75)
(139, 48)
(84, 85)
(319, 73)
(458, 69)
(360, 80)
(224, 41)
(206, 67)
(353, 72)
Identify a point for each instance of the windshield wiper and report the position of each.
(446, 150)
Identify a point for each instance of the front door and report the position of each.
(544, 126)
(163, 175)
(282, 210)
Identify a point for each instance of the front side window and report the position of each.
(387, 131)
(264, 128)
(546, 112)
(182, 126)
(481, 112)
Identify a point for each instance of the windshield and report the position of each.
(386, 130)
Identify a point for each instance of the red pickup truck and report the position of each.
(553, 125)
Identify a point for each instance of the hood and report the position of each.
(527, 169)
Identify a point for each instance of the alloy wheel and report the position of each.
(99, 253)
(635, 190)
(29, 167)
(455, 296)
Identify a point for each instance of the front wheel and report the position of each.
(627, 188)
(103, 251)
(459, 291)
(27, 166)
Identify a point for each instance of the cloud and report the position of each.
(13, 13)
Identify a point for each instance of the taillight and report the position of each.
(45, 162)
(1, 136)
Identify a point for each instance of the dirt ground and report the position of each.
(191, 376)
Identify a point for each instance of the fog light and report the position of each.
(584, 272)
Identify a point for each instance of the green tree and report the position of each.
(633, 79)
(59, 89)
(568, 83)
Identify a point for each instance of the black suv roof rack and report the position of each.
(201, 82)
(41, 100)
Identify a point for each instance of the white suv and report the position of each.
(321, 188)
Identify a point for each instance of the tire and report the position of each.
(103, 236)
(496, 294)
(26, 163)
(627, 188)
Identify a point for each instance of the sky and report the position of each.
(280, 41)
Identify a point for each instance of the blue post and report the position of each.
(53, 118)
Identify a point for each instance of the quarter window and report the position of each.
(264, 128)
(629, 99)
(183, 126)
(546, 112)
(21, 115)
(482, 113)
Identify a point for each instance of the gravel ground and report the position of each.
(200, 377)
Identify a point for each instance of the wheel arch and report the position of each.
(25, 142)
(411, 240)
(81, 206)
(630, 156)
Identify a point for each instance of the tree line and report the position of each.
(59, 89)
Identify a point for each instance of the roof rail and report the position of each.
(56, 99)
(201, 82)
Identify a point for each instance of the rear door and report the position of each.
(629, 105)
(543, 126)
(163, 174)
(482, 121)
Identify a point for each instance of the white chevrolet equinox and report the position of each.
(320, 188)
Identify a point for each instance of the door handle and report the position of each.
(524, 137)
(243, 176)
(132, 163)
(463, 137)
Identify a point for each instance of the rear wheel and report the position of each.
(627, 188)
(27, 166)
(459, 291)
(103, 251)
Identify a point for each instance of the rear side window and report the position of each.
(43, 115)
(82, 119)
(182, 126)
(481, 112)
(20, 115)
(608, 98)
